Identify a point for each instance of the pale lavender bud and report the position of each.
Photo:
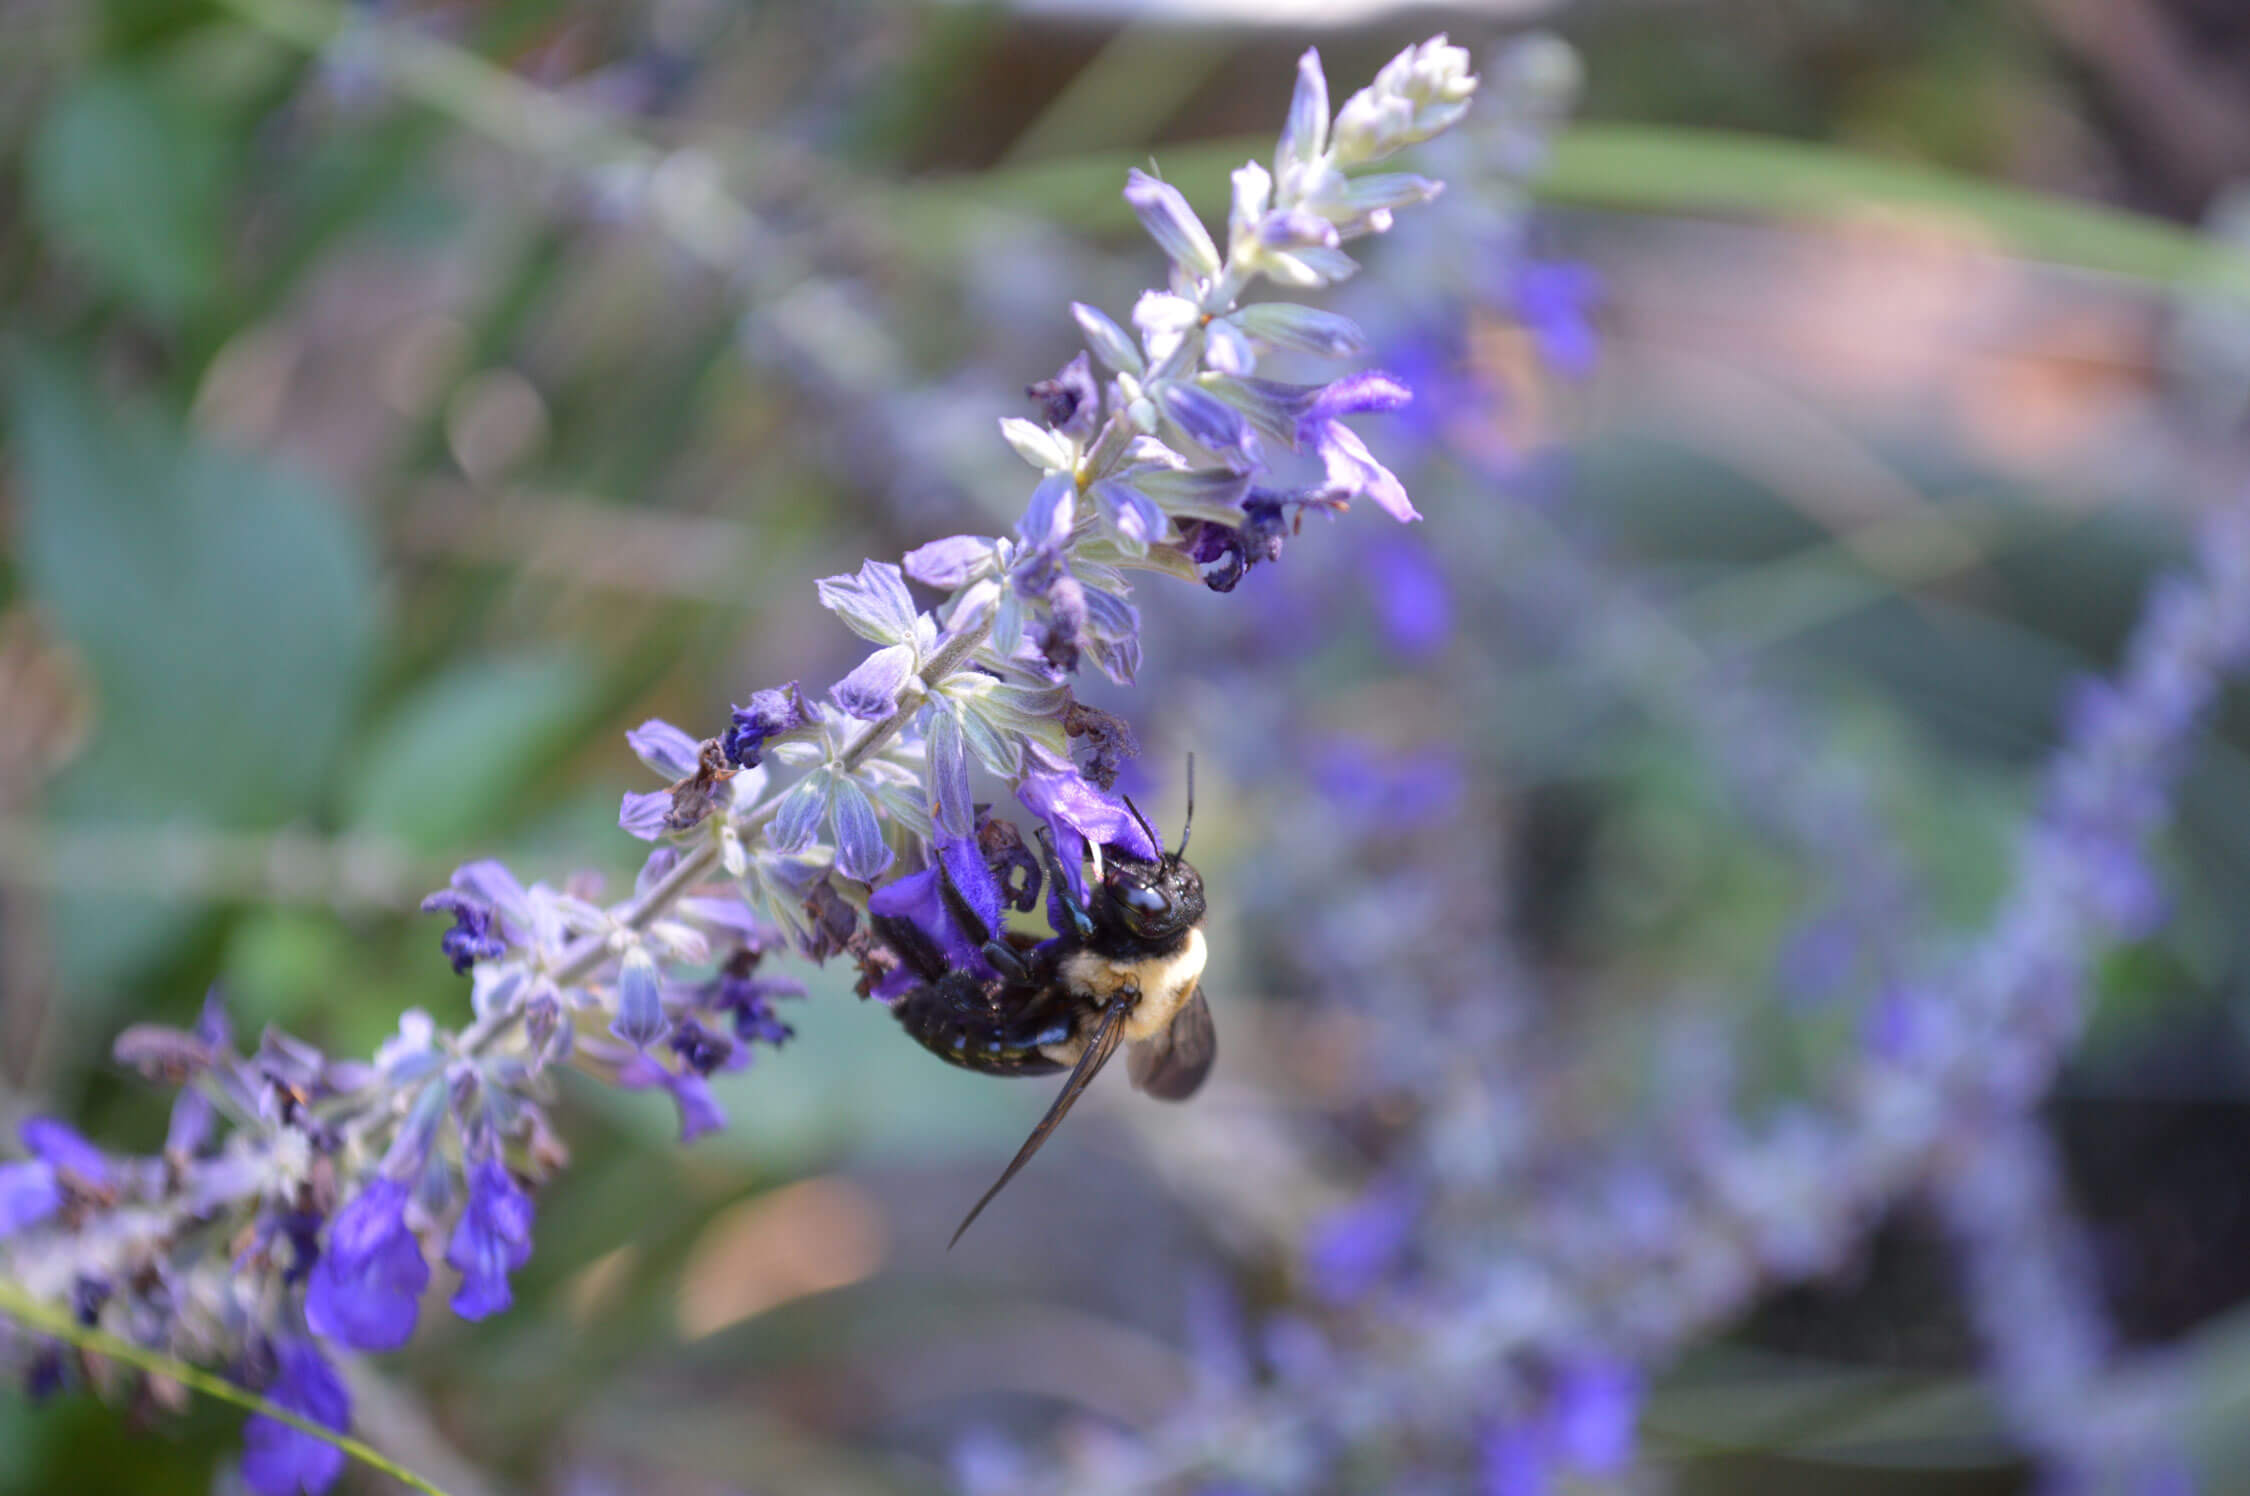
(1172, 224)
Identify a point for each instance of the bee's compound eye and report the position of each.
(1140, 898)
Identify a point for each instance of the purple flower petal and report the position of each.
(366, 1290)
(664, 748)
(1353, 472)
(861, 852)
(640, 1001)
(699, 1110)
(1048, 517)
(1210, 422)
(1079, 813)
(278, 1460)
(645, 815)
(1171, 223)
(491, 884)
(72, 1156)
(29, 1193)
(492, 1240)
(1132, 511)
(797, 819)
(955, 809)
(871, 691)
(872, 602)
(952, 562)
(916, 898)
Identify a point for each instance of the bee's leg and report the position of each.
(1082, 922)
(1003, 956)
(913, 945)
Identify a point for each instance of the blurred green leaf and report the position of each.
(227, 609)
(449, 763)
(130, 175)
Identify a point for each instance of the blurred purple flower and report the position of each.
(29, 1193)
(492, 1239)
(1413, 602)
(366, 1290)
(74, 1160)
(278, 1460)
(1554, 300)
(1351, 1251)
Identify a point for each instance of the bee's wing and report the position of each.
(1172, 1065)
(1098, 1050)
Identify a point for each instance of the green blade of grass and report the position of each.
(47, 1319)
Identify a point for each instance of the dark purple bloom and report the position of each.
(1352, 469)
(366, 1290)
(1222, 555)
(740, 991)
(915, 897)
(1077, 813)
(699, 1049)
(492, 1240)
(278, 1460)
(471, 939)
(29, 1194)
(1070, 402)
(87, 1295)
(1554, 300)
(769, 714)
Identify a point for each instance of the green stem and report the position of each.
(47, 1319)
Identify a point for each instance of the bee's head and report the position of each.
(1156, 900)
(1153, 900)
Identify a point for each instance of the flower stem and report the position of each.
(47, 1319)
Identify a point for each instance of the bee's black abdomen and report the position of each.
(990, 1027)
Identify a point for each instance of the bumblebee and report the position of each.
(1126, 969)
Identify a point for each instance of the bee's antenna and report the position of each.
(1188, 824)
(1145, 826)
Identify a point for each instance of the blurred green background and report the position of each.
(404, 399)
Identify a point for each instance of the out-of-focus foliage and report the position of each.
(403, 400)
